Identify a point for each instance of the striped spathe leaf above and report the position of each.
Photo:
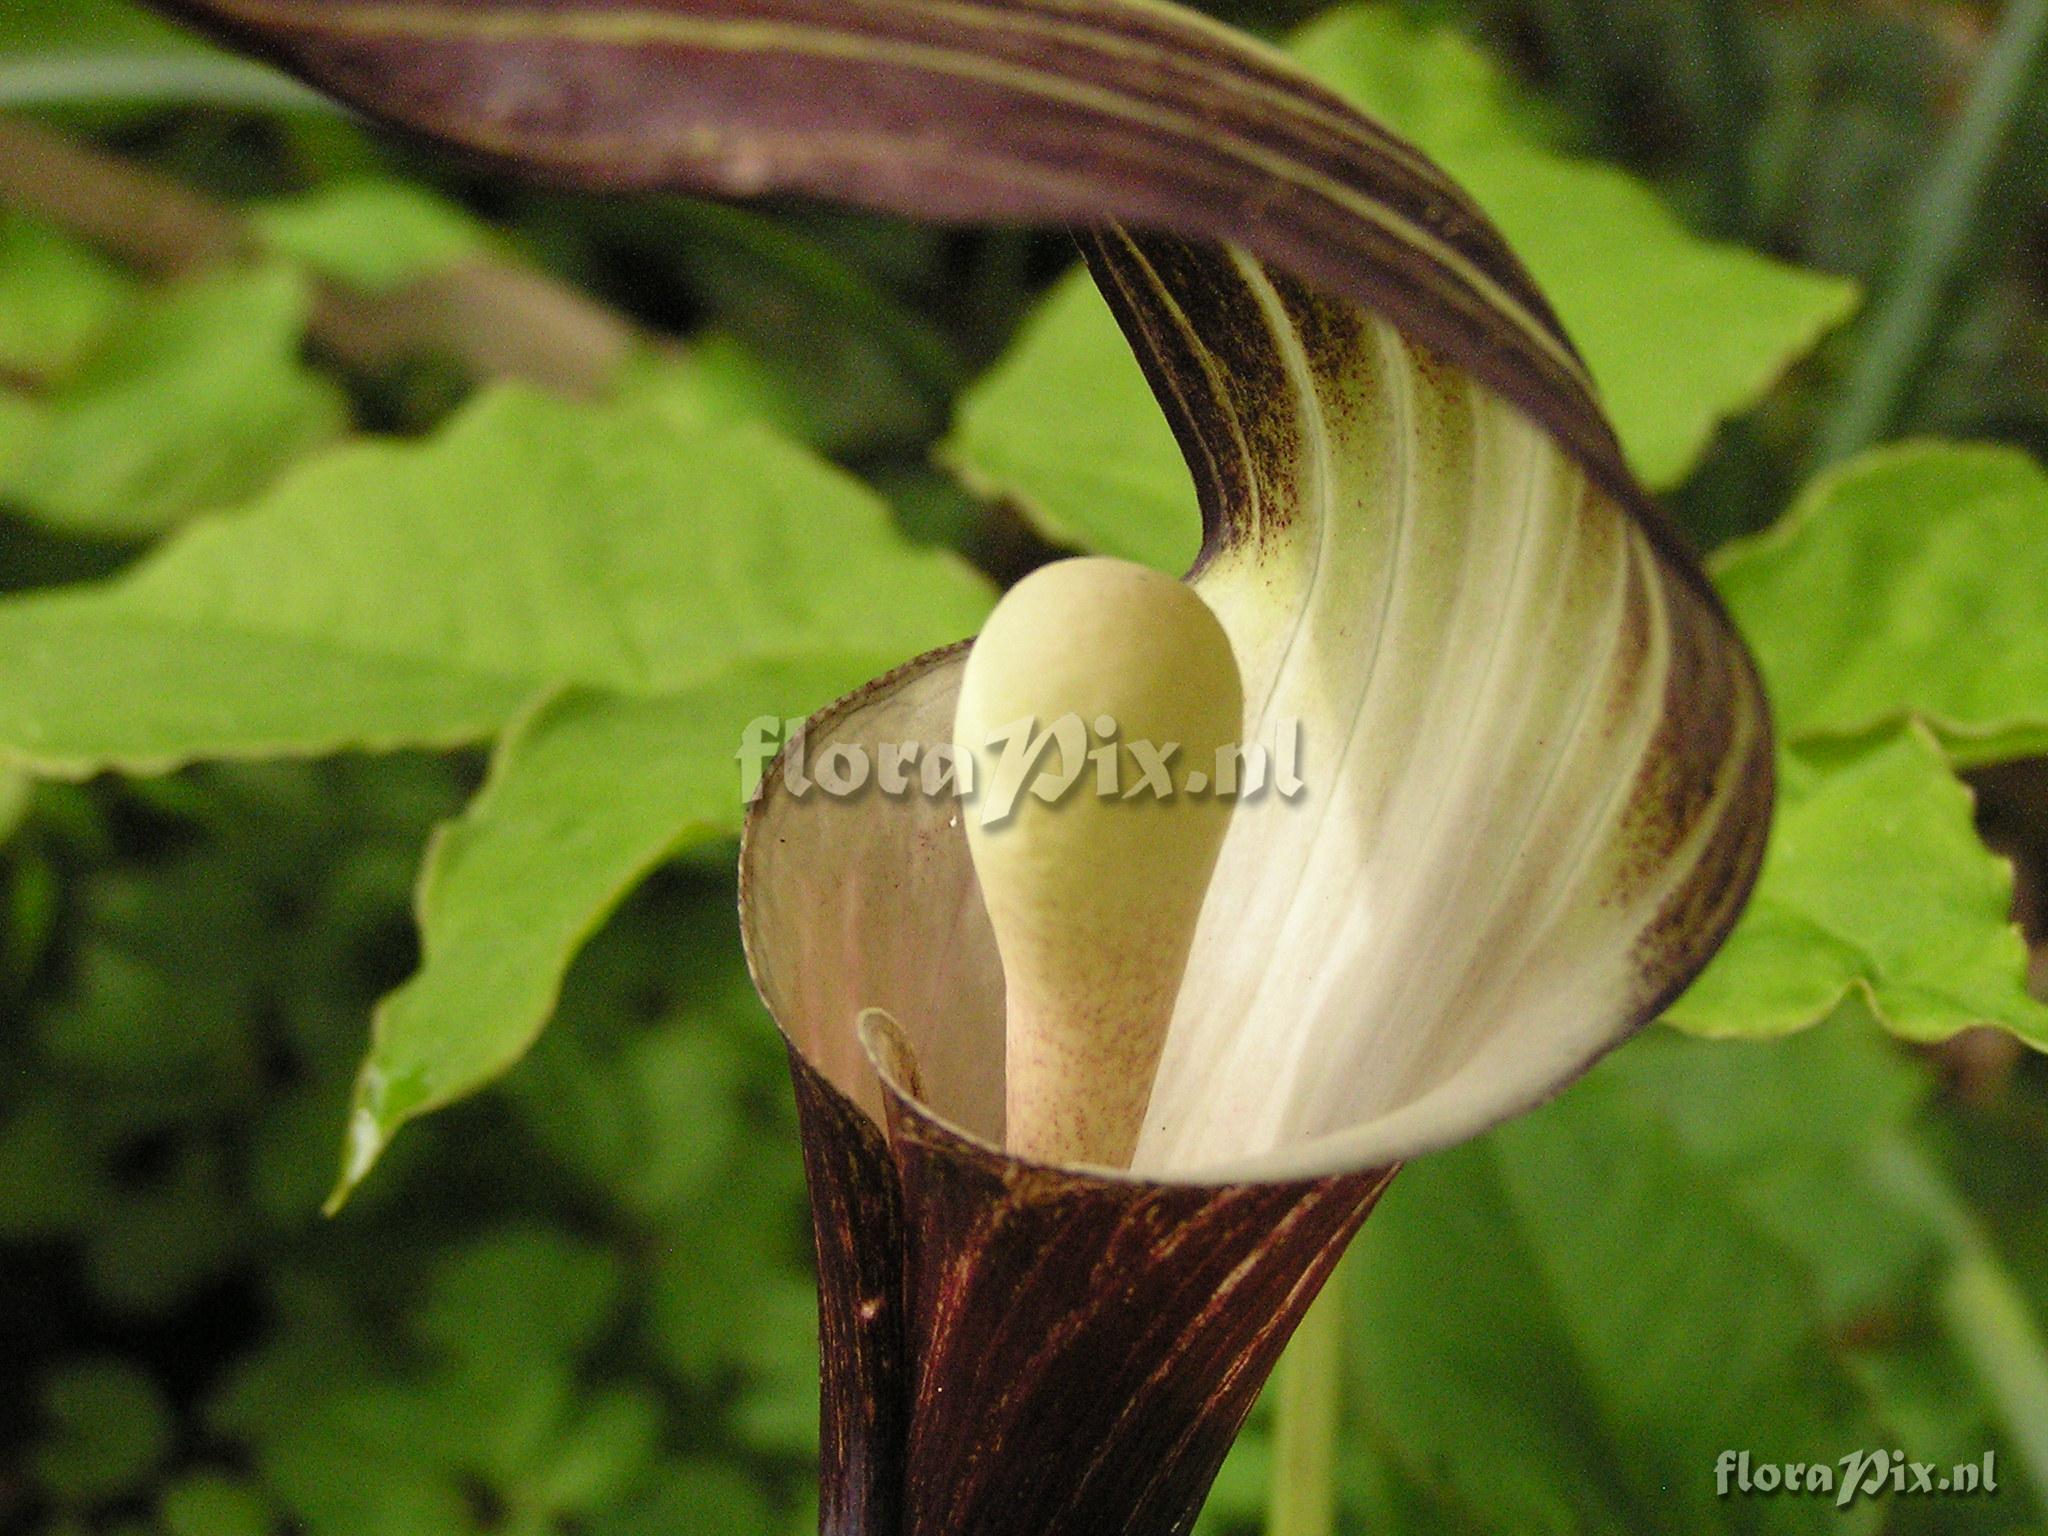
(1040, 111)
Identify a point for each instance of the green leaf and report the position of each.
(1907, 583)
(692, 1496)
(1896, 613)
(1563, 1326)
(369, 234)
(1875, 885)
(57, 299)
(530, 1290)
(719, 381)
(1679, 333)
(392, 594)
(47, 1185)
(29, 25)
(1428, 83)
(197, 404)
(1790, 1128)
(95, 53)
(157, 1247)
(656, 1117)
(606, 1450)
(586, 797)
(110, 1429)
(312, 1460)
(209, 1504)
(21, 422)
(738, 1254)
(777, 1413)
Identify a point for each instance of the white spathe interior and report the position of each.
(1452, 921)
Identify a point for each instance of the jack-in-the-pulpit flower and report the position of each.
(1093, 1101)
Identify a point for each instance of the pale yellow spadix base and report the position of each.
(1094, 899)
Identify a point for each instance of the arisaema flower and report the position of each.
(1535, 759)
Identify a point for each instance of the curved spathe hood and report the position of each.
(1534, 766)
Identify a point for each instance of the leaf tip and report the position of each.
(368, 1136)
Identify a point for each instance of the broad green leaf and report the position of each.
(586, 796)
(1896, 612)
(198, 403)
(21, 420)
(46, 1188)
(1428, 82)
(1912, 582)
(651, 1095)
(57, 299)
(1563, 1326)
(609, 1449)
(717, 382)
(1875, 885)
(372, 235)
(1791, 1129)
(738, 1250)
(392, 594)
(1680, 334)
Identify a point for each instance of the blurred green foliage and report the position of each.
(580, 1303)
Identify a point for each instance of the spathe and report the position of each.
(1546, 767)
(1538, 768)
(1015, 1348)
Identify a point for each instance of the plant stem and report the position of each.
(1309, 1392)
(1990, 1321)
(835, 286)
(1576, 39)
(1901, 331)
(1729, 98)
(63, 79)
(493, 318)
(1983, 1310)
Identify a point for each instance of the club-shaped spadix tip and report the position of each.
(1096, 706)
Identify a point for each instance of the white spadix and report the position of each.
(1113, 673)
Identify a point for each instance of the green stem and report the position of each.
(1309, 1395)
(90, 79)
(1941, 224)
(1578, 52)
(494, 318)
(1991, 1323)
(918, 347)
(1983, 1310)
(1730, 103)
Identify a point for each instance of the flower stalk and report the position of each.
(1308, 1403)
